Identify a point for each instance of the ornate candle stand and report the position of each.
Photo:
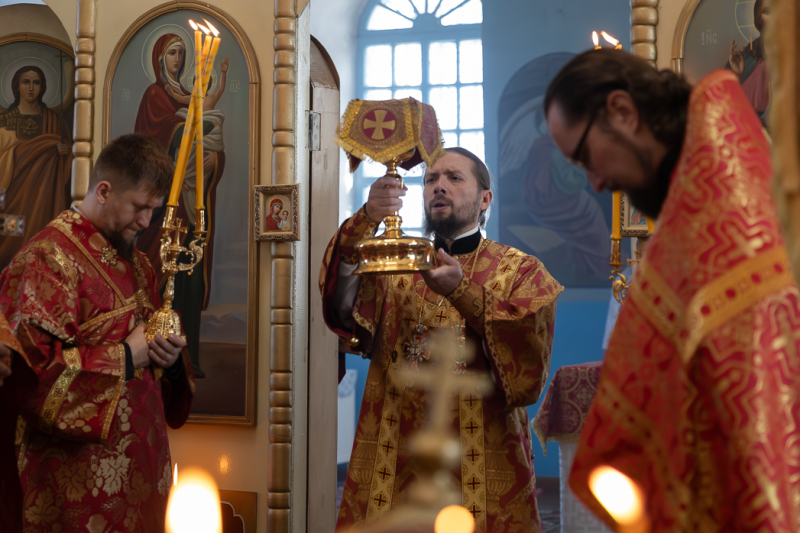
(619, 280)
(165, 320)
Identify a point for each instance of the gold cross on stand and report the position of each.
(10, 225)
(435, 449)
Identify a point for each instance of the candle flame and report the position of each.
(213, 29)
(610, 39)
(454, 519)
(595, 39)
(175, 475)
(205, 30)
(194, 505)
(618, 494)
(193, 25)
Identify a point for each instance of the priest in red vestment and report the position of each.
(699, 398)
(503, 300)
(92, 439)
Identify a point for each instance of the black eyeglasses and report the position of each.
(575, 159)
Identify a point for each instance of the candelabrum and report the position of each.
(165, 320)
(620, 280)
(10, 225)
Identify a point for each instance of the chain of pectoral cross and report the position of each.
(417, 348)
(441, 316)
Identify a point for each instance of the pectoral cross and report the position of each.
(10, 225)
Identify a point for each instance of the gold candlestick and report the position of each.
(620, 280)
(165, 320)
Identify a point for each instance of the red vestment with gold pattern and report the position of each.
(699, 396)
(508, 301)
(92, 447)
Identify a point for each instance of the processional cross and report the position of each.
(434, 448)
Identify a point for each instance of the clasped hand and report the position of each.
(163, 352)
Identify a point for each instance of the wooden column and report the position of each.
(644, 18)
(783, 55)
(83, 131)
(280, 362)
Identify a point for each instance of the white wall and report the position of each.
(334, 23)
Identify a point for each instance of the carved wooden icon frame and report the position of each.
(263, 197)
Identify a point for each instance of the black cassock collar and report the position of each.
(460, 246)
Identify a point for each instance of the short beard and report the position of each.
(648, 198)
(454, 224)
(125, 248)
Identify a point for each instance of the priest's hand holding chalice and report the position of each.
(397, 133)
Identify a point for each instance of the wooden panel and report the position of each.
(323, 344)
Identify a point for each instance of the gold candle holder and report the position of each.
(165, 320)
(619, 280)
(393, 252)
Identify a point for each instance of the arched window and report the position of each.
(430, 50)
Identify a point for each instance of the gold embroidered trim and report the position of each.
(382, 487)
(383, 475)
(733, 292)
(107, 316)
(658, 303)
(55, 398)
(463, 285)
(622, 412)
(93, 262)
(473, 458)
(66, 267)
(112, 409)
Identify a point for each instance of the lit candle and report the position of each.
(200, 79)
(596, 40)
(651, 226)
(616, 216)
(612, 40)
(188, 137)
(193, 505)
(620, 496)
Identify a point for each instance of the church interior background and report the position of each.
(484, 66)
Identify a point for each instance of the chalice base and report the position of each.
(163, 321)
(394, 255)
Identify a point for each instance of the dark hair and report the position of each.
(15, 85)
(583, 85)
(134, 160)
(479, 170)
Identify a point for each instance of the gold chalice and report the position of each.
(397, 133)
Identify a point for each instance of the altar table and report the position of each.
(560, 418)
